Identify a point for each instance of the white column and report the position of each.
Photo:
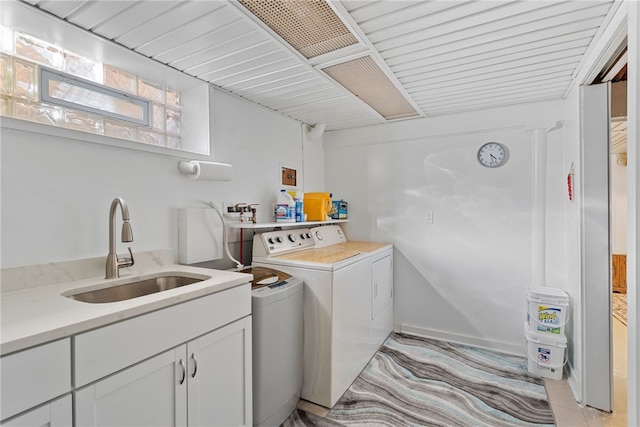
(539, 204)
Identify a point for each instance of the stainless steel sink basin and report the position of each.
(135, 289)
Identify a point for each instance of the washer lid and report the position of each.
(264, 276)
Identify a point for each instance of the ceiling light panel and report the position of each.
(311, 27)
(366, 80)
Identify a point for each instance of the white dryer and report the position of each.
(348, 301)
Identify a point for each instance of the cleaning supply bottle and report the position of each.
(299, 208)
(285, 207)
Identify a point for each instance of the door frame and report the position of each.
(624, 22)
(595, 251)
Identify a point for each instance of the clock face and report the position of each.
(493, 154)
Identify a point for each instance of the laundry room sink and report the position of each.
(136, 288)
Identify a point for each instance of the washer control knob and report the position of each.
(319, 235)
(279, 239)
(308, 235)
(271, 240)
(292, 237)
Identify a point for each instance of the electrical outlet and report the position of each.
(428, 217)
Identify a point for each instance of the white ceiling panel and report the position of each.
(120, 24)
(275, 70)
(219, 52)
(445, 56)
(61, 8)
(457, 59)
(162, 26)
(220, 36)
(207, 29)
(243, 57)
(95, 14)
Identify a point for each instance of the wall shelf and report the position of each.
(258, 226)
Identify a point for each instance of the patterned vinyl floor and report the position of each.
(413, 381)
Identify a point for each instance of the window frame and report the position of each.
(47, 75)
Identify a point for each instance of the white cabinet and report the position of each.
(53, 414)
(147, 394)
(205, 382)
(34, 376)
(105, 350)
(219, 377)
(188, 364)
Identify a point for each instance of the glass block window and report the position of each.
(44, 83)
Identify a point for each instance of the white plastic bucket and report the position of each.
(548, 310)
(545, 353)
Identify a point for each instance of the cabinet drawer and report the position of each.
(34, 376)
(114, 347)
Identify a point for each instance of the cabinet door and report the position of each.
(219, 377)
(381, 300)
(54, 414)
(151, 393)
(381, 285)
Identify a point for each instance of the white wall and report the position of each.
(572, 285)
(464, 276)
(56, 192)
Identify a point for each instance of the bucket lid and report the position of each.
(559, 340)
(545, 291)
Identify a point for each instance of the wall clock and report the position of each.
(493, 154)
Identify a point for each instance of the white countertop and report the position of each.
(36, 315)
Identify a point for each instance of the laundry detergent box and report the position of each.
(547, 310)
(339, 209)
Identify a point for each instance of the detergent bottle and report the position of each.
(285, 207)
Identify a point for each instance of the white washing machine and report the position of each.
(277, 344)
(348, 301)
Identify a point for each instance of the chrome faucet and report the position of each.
(113, 262)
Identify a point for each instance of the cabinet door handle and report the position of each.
(195, 365)
(184, 371)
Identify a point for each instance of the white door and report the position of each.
(596, 254)
(381, 285)
(56, 414)
(219, 377)
(151, 393)
(381, 300)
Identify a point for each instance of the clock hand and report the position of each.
(493, 157)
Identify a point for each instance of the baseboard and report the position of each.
(573, 383)
(503, 347)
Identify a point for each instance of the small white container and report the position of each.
(545, 353)
(548, 310)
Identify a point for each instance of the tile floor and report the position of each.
(619, 416)
(568, 413)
